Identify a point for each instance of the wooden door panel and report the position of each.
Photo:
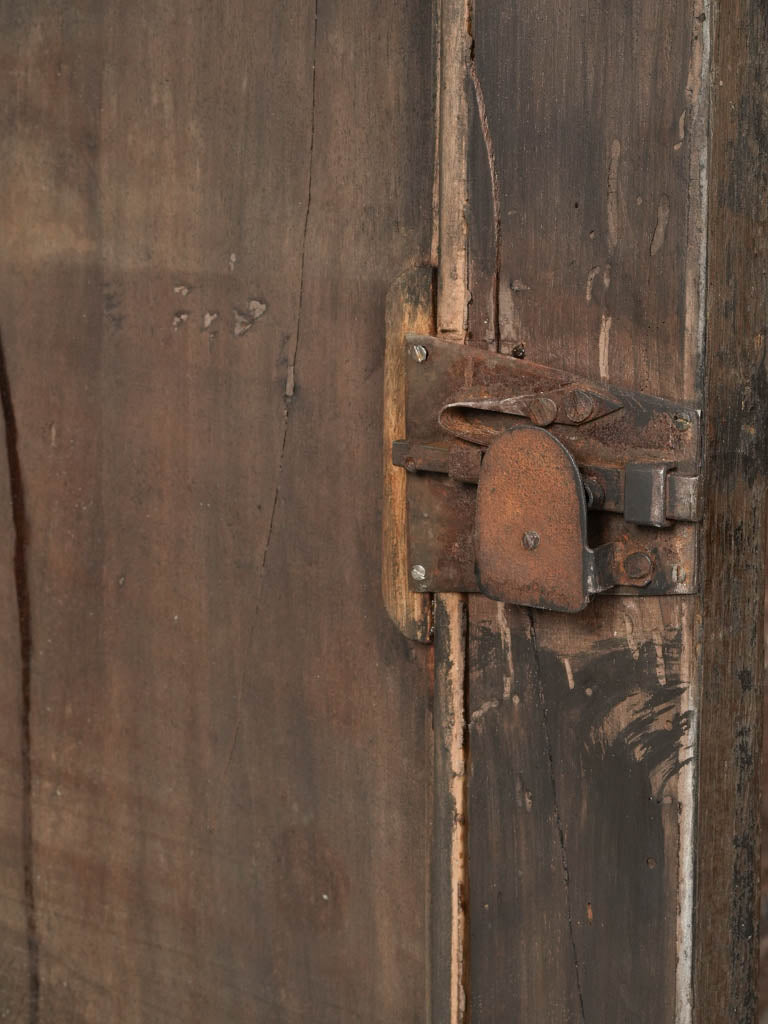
(203, 208)
(611, 800)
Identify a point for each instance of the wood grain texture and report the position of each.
(203, 208)
(731, 606)
(586, 247)
(410, 308)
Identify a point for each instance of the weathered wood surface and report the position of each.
(202, 209)
(731, 606)
(588, 239)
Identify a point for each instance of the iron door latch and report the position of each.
(540, 489)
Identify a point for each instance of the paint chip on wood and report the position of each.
(603, 341)
(591, 282)
(660, 231)
(680, 132)
(245, 319)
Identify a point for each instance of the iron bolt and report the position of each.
(682, 420)
(419, 573)
(542, 410)
(594, 492)
(638, 565)
(419, 353)
(531, 540)
(578, 406)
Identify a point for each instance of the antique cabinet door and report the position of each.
(232, 789)
(602, 212)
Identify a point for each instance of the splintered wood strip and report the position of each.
(448, 897)
(449, 953)
(452, 294)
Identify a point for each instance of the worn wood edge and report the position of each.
(453, 144)
(731, 604)
(409, 308)
(449, 953)
(448, 918)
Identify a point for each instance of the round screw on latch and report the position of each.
(638, 565)
(682, 420)
(418, 573)
(419, 353)
(578, 406)
(542, 410)
(531, 540)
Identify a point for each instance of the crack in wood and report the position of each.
(23, 604)
(485, 129)
(290, 380)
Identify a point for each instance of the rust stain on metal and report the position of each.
(530, 528)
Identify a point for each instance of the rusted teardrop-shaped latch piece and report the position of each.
(531, 523)
(531, 545)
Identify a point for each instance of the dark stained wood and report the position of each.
(203, 207)
(574, 746)
(731, 608)
(587, 234)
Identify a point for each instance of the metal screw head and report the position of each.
(638, 565)
(578, 406)
(682, 420)
(418, 573)
(531, 540)
(419, 353)
(542, 410)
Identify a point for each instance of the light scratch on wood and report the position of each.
(506, 645)
(661, 669)
(569, 673)
(591, 281)
(613, 195)
(603, 341)
(660, 231)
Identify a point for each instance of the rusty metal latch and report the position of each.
(506, 459)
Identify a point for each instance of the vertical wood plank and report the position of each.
(587, 231)
(204, 207)
(731, 605)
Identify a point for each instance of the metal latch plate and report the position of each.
(641, 453)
